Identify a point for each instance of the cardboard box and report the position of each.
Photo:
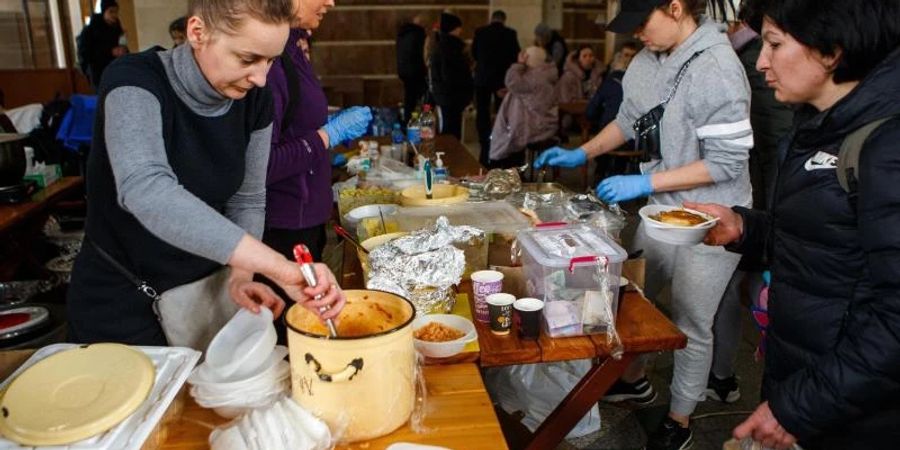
(46, 176)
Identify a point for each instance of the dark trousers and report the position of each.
(451, 116)
(413, 91)
(283, 241)
(483, 109)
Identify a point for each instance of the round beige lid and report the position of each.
(75, 394)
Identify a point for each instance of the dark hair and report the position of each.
(629, 44)
(498, 16)
(583, 48)
(227, 15)
(863, 31)
(179, 24)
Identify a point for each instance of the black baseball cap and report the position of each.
(632, 14)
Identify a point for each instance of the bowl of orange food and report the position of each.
(442, 335)
(676, 225)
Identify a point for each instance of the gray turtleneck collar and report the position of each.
(189, 83)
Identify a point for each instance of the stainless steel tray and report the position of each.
(544, 188)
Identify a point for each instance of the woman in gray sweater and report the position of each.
(700, 152)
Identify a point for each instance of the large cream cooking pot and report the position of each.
(362, 383)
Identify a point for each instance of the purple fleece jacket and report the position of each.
(299, 176)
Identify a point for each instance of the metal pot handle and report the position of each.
(346, 374)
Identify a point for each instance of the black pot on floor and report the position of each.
(12, 158)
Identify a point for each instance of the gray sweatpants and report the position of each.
(698, 276)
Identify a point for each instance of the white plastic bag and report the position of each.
(536, 390)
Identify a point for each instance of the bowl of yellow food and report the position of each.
(442, 335)
(675, 225)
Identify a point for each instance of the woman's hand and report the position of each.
(763, 427)
(332, 296)
(730, 227)
(348, 124)
(560, 157)
(249, 294)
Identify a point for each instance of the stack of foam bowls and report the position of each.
(244, 369)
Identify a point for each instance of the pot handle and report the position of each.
(346, 374)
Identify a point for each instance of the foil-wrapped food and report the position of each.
(423, 266)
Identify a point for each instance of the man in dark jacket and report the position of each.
(451, 76)
(494, 48)
(98, 44)
(411, 63)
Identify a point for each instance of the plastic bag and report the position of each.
(283, 424)
(536, 390)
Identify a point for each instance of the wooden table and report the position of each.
(642, 329)
(459, 416)
(21, 223)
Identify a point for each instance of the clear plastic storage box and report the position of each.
(575, 269)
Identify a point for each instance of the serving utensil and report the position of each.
(305, 259)
(343, 233)
(429, 180)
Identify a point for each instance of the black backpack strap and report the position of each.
(848, 157)
(293, 86)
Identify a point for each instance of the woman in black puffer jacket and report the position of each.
(832, 377)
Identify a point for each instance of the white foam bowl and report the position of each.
(447, 348)
(674, 234)
(242, 345)
(352, 218)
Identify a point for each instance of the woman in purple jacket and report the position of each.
(299, 198)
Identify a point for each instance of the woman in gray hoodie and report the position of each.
(700, 152)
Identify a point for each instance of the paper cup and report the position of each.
(528, 317)
(485, 283)
(500, 311)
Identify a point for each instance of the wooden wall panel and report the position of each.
(381, 24)
(360, 59)
(24, 86)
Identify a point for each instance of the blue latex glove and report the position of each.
(347, 125)
(339, 160)
(560, 157)
(622, 188)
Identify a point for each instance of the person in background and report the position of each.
(700, 152)
(98, 43)
(771, 120)
(604, 106)
(178, 31)
(299, 199)
(451, 75)
(581, 76)
(177, 185)
(832, 374)
(553, 43)
(528, 113)
(411, 63)
(495, 48)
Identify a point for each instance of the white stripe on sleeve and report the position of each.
(723, 129)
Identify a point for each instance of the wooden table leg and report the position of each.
(583, 396)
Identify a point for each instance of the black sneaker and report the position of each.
(670, 436)
(640, 392)
(725, 391)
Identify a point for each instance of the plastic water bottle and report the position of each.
(397, 143)
(414, 137)
(427, 130)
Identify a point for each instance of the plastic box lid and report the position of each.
(492, 217)
(557, 245)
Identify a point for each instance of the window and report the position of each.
(31, 35)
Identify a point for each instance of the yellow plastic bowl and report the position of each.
(443, 194)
